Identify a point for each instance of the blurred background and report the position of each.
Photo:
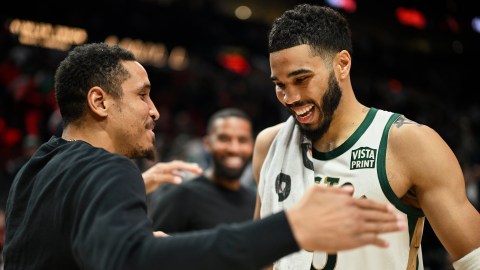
(419, 58)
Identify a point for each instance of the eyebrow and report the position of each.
(293, 73)
(145, 86)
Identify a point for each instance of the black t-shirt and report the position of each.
(200, 204)
(74, 206)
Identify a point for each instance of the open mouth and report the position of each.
(233, 162)
(304, 114)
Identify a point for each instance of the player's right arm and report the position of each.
(262, 145)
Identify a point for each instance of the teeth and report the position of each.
(233, 161)
(303, 110)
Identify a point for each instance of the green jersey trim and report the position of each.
(350, 141)
(382, 173)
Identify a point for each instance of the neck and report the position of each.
(71, 134)
(346, 120)
(95, 137)
(225, 183)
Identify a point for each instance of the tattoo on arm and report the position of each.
(402, 120)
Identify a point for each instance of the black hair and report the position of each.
(87, 66)
(224, 113)
(324, 29)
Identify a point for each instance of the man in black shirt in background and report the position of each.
(217, 196)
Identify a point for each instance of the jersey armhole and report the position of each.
(382, 173)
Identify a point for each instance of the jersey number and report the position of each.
(329, 264)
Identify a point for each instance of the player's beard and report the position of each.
(330, 102)
(227, 173)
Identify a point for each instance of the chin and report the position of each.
(148, 153)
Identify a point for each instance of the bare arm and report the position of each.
(420, 160)
(262, 145)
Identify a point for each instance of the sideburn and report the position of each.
(330, 102)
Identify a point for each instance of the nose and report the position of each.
(291, 95)
(237, 146)
(154, 112)
(233, 145)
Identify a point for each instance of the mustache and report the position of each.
(297, 104)
(150, 125)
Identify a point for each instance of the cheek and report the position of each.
(136, 116)
(219, 147)
(280, 96)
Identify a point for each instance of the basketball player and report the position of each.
(331, 139)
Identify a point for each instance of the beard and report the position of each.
(330, 102)
(142, 153)
(227, 173)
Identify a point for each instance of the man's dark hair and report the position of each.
(224, 113)
(324, 29)
(86, 66)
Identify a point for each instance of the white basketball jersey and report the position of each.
(360, 162)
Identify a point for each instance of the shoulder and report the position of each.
(86, 153)
(189, 187)
(265, 138)
(115, 171)
(117, 166)
(196, 182)
(407, 136)
(419, 151)
(249, 192)
(268, 134)
(262, 145)
(100, 176)
(87, 160)
(171, 195)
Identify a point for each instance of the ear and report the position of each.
(343, 63)
(96, 99)
(206, 144)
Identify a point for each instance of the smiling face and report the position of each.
(133, 115)
(305, 84)
(230, 141)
